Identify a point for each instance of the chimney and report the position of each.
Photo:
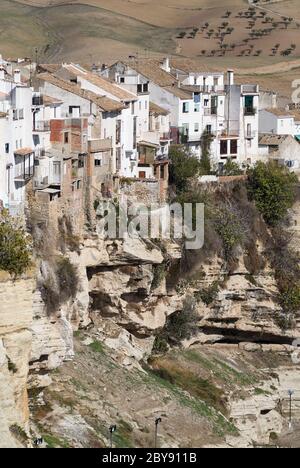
(230, 77)
(166, 65)
(17, 76)
(2, 73)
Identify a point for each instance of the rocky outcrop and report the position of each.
(16, 300)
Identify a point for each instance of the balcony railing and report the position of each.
(210, 111)
(42, 126)
(23, 173)
(165, 136)
(250, 111)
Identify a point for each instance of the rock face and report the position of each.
(16, 301)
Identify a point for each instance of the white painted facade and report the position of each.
(272, 122)
(15, 136)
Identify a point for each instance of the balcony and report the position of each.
(101, 145)
(251, 135)
(250, 89)
(23, 172)
(42, 126)
(210, 111)
(250, 111)
(165, 137)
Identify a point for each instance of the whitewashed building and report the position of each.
(16, 153)
(199, 103)
(279, 121)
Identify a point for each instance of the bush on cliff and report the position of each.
(183, 167)
(273, 188)
(14, 246)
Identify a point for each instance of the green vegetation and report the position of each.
(60, 285)
(177, 385)
(221, 370)
(230, 229)
(19, 433)
(14, 246)
(97, 347)
(208, 295)
(181, 325)
(205, 162)
(123, 436)
(159, 274)
(231, 168)
(272, 187)
(55, 442)
(183, 167)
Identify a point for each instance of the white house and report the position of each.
(16, 153)
(281, 148)
(279, 122)
(199, 103)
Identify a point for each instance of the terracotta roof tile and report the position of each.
(105, 103)
(103, 83)
(155, 109)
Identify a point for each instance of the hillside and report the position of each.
(114, 28)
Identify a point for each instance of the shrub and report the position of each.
(183, 167)
(231, 168)
(160, 345)
(60, 284)
(230, 229)
(14, 246)
(159, 274)
(273, 188)
(182, 325)
(208, 295)
(67, 277)
(290, 299)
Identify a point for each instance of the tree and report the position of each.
(205, 162)
(272, 187)
(231, 168)
(14, 246)
(183, 167)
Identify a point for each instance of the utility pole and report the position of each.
(157, 422)
(112, 429)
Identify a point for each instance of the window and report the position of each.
(16, 144)
(140, 105)
(195, 80)
(66, 138)
(146, 105)
(21, 114)
(81, 163)
(21, 142)
(249, 130)
(122, 79)
(118, 131)
(6, 148)
(233, 147)
(98, 162)
(196, 127)
(208, 129)
(223, 147)
(134, 132)
(206, 102)
(185, 108)
(15, 114)
(197, 108)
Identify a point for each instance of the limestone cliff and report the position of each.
(16, 311)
